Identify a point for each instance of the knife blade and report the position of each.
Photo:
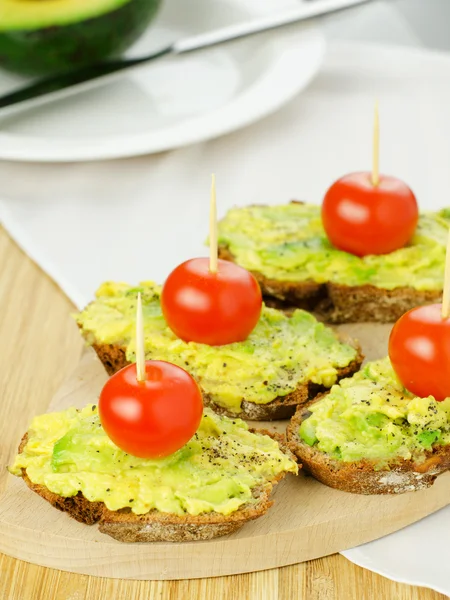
(61, 85)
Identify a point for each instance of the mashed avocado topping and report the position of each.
(280, 354)
(69, 452)
(371, 416)
(288, 243)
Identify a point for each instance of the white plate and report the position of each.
(417, 555)
(175, 101)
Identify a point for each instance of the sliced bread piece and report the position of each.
(286, 248)
(282, 407)
(368, 435)
(240, 482)
(285, 362)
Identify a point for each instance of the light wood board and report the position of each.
(307, 521)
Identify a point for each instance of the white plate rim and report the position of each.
(274, 88)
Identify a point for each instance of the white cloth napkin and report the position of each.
(136, 219)
(414, 555)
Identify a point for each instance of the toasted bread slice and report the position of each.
(337, 303)
(369, 435)
(125, 526)
(365, 477)
(285, 361)
(283, 407)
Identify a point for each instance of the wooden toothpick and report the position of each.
(376, 148)
(446, 294)
(213, 249)
(140, 350)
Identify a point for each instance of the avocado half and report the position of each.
(39, 37)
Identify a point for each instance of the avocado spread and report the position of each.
(288, 243)
(69, 452)
(371, 416)
(280, 354)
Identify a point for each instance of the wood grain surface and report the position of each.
(39, 346)
(308, 519)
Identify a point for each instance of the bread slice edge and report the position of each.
(365, 476)
(155, 526)
(283, 407)
(339, 303)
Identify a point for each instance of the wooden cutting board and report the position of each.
(308, 519)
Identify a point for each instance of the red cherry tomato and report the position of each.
(362, 219)
(419, 349)
(153, 418)
(211, 308)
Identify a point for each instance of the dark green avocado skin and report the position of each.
(62, 48)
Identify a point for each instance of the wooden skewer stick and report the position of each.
(446, 294)
(140, 350)
(213, 248)
(376, 148)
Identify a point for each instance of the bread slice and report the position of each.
(365, 476)
(337, 303)
(125, 526)
(283, 407)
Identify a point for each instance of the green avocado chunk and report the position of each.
(280, 354)
(69, 452)
(39, 37)
(371, 416)
(288, 243)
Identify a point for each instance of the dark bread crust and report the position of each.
(155, 526)
(77, 506)
(114, 358)
(336, 303)
(363, 477)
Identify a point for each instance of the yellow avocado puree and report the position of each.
(371, 416)
(288, 243)
(280, 354)
(69, 452)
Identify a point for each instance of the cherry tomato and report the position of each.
(153, 418)
(362, 219)
(211, 308)
(419, 349)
